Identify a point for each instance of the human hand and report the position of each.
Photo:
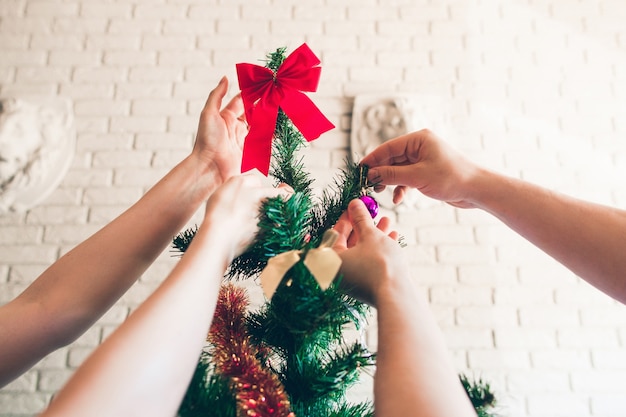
(423, 161)
(371, 256)
(221, 133)
(234, 209)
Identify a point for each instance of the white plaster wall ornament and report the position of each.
(37, 141)
(377, 118)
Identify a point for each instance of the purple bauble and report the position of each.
(371, 204)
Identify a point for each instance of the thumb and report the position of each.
(360, 217)
(392, 175)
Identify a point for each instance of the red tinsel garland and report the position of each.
(258, 390)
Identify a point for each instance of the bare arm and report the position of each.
(587, 238)
(414, 371)
(144, 367)
(83, 284)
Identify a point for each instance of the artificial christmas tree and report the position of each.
(290, 357)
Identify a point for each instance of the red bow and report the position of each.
(263, 92)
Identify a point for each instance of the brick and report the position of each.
(16, 235)
(23, 58)
(487, 315)
(597, 381)
(121, 159)
(563, 359)
(588, 337)
(467, 337)
(158, 107)
(12, 8)
(265, 12)
(30, 74)
(520, 338)
(137, 90)
(138, 124)
(608, 405)
(465, 254)
(434, 274)
(56, 215)
(180, 124)
(164, 141)
(99, 75)
(35, 254)
(122, 25)
(609, 359)
(84, 25)
(445, 235)
(86, 91)
(86, 178)
(64, 196)
(376, 13)
(558, 405)
(199, 27)
(101, 107)
(23, 404)
(170, 42)
(461, 296)
(57, 42)
(150, 74)
(130, 57)
(52, 380)
(222, 41)
(51, 9)
(490, 359)
(4, 273)
(209, 12)
(155, 11)
(105, 10)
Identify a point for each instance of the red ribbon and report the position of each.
(263, 92)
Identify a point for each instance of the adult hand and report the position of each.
(423, 161)
(371, 256)
(234, 209)
(221, 133)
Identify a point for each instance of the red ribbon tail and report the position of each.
(257, 147)
(305, 115)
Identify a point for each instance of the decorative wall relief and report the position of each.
(378, 118)
(37, 141)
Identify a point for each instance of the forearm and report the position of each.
(587, 238)
(415, 375)
(145, 366)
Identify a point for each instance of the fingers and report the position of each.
(344, 228)
(214, 101)
(398, 194)
(360, 217)
(235, 106)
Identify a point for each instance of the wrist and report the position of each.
(483, 187)
(204, 177)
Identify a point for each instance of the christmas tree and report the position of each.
(290, 357)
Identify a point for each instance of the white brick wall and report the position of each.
(536, 89)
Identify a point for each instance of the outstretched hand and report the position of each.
(371, 256)
(221, 133)
(423, 161)
(234, 209)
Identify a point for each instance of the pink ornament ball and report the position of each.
(371, 204)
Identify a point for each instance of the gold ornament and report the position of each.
(323, 263)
